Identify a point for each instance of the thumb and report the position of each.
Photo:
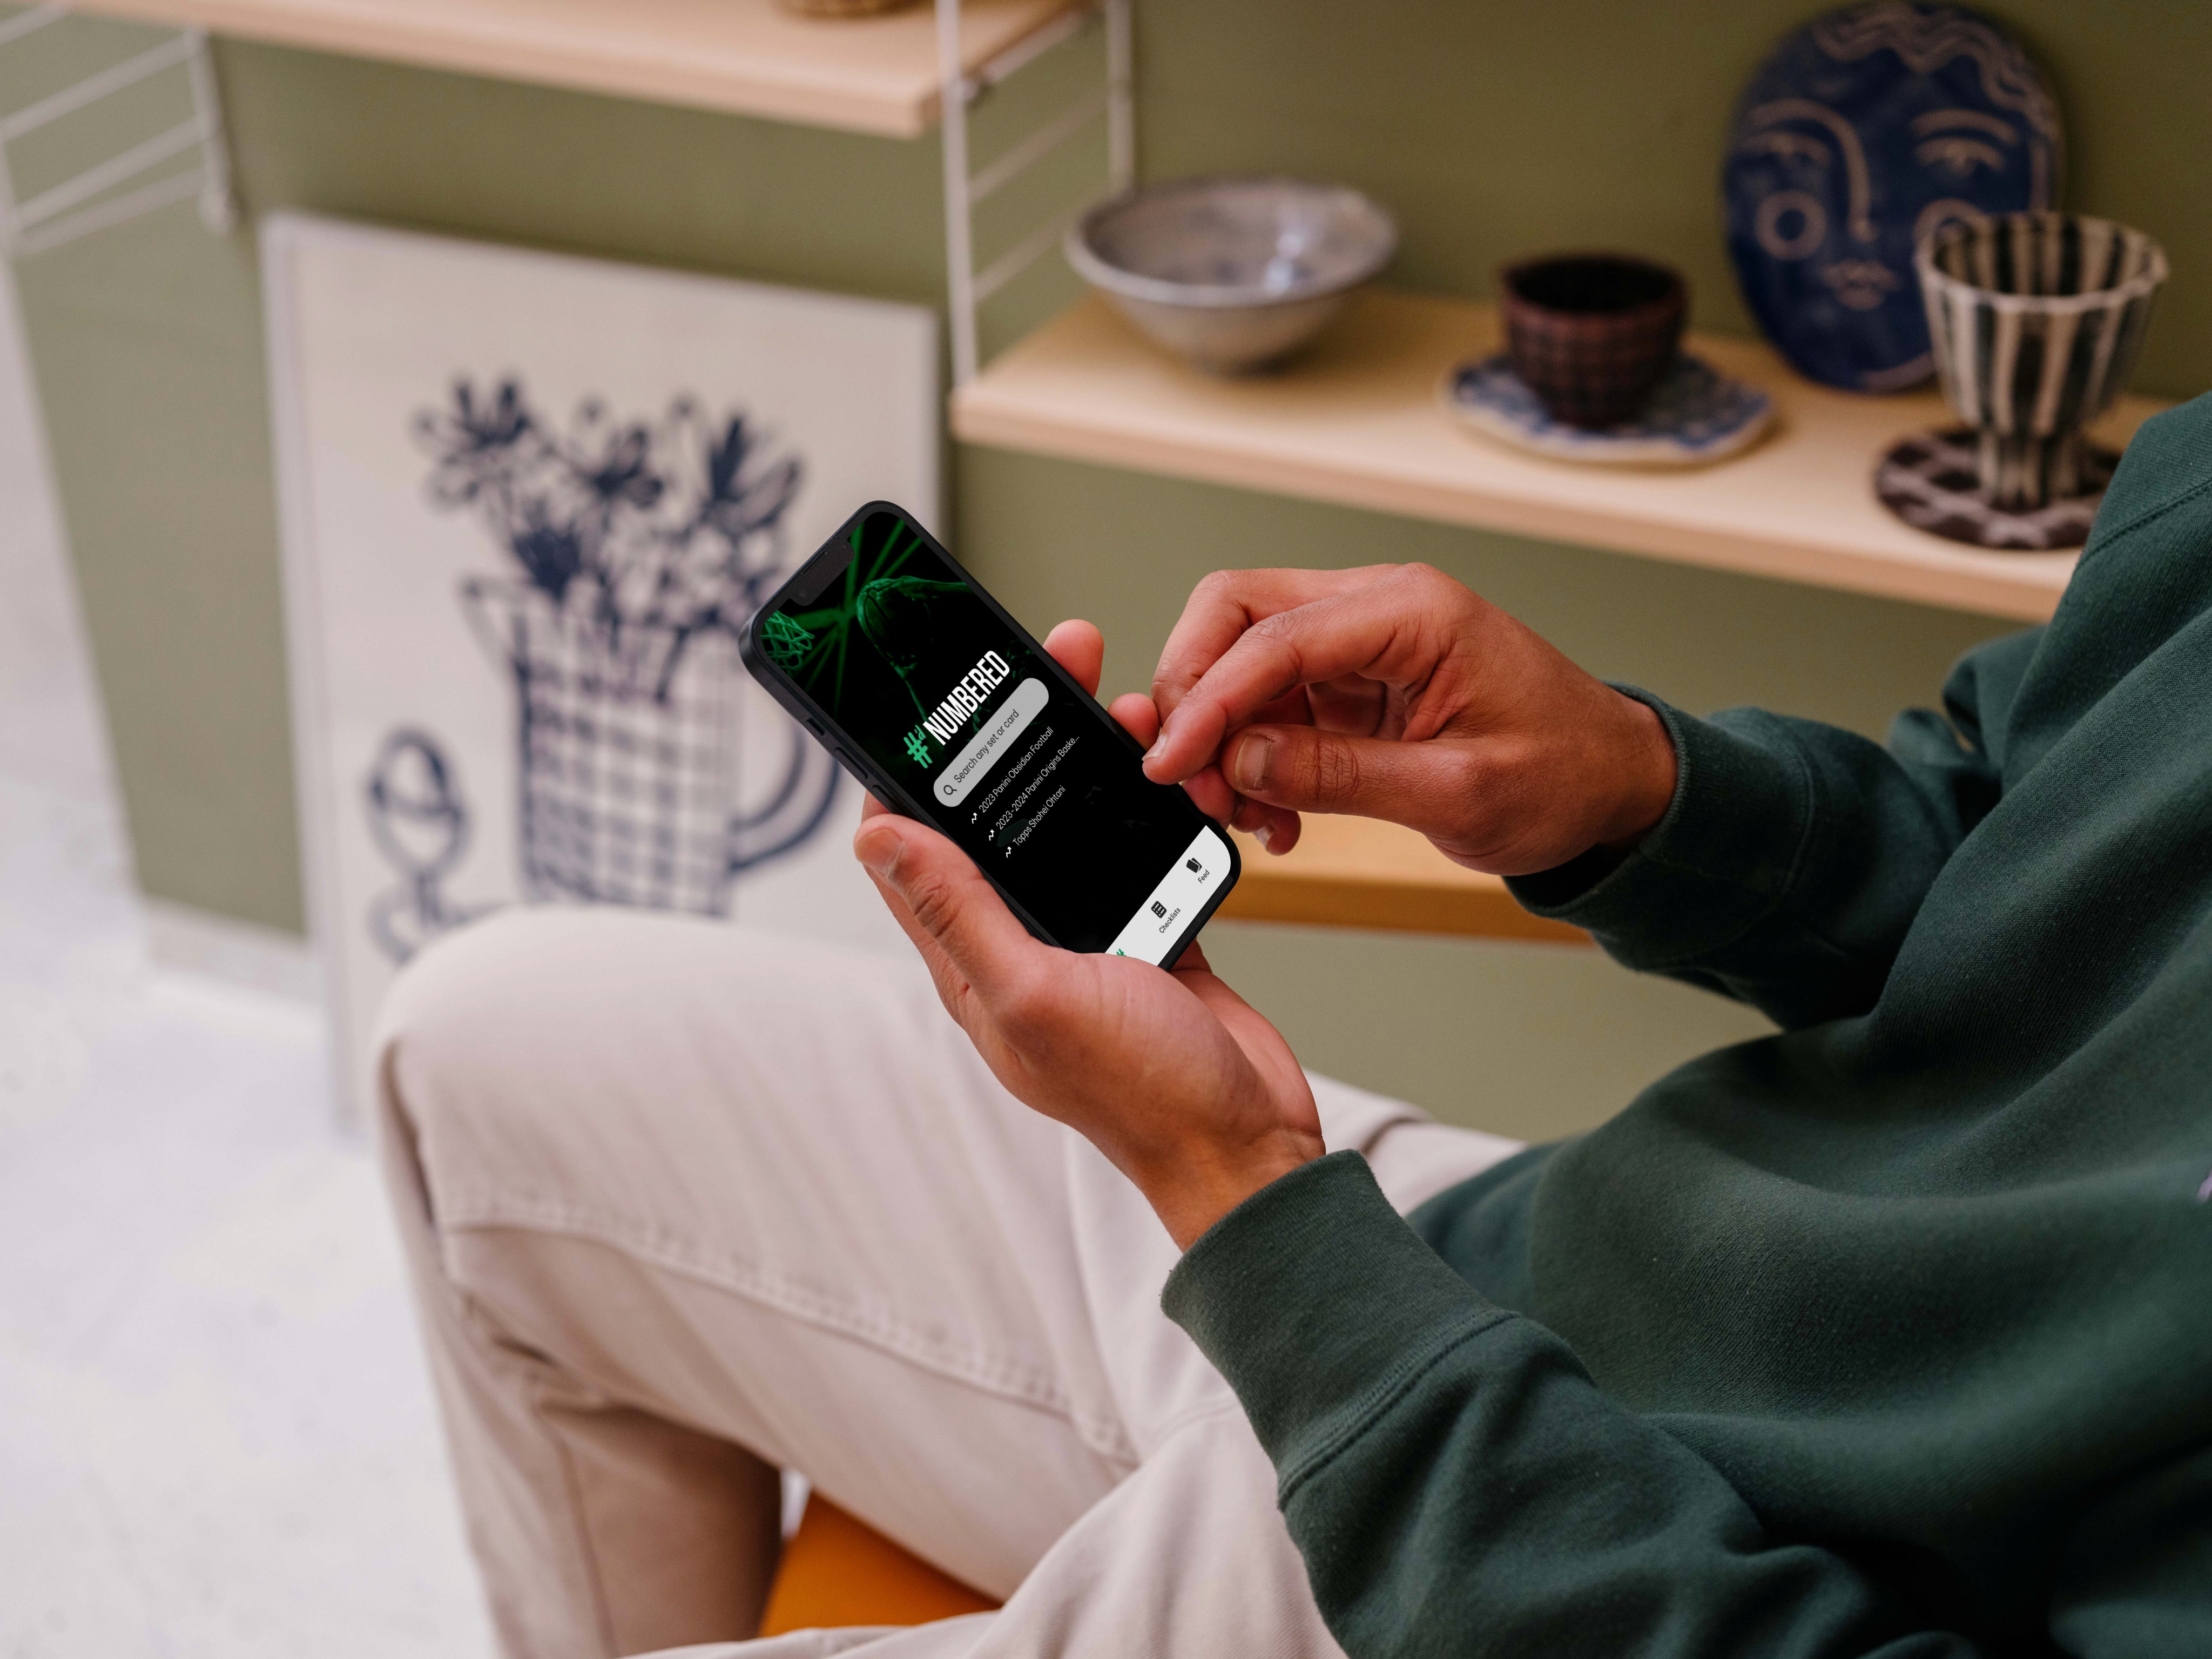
(953, 915)
(1424, 786)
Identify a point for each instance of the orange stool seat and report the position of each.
(835, 1571)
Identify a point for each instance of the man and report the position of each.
(1884, 1335)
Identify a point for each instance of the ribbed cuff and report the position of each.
(1314, 1298)
(1722, 854)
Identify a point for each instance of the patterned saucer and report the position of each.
(1931, 480)
(1696, 415)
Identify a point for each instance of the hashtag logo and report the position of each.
(917, 747)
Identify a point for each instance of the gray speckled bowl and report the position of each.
(1233, 274)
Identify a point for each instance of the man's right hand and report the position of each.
(1394, 692)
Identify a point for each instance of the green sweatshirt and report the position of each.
(1891, 1334)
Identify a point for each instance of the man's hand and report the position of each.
(1394, 692)
(1172, 1076)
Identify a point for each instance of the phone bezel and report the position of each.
(853, 756)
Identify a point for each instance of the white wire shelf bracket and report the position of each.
(968, 289)
(1020, 158)
(83, 204)
(1023, 254)
(1027, 51)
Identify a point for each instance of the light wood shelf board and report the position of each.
(875, 75)
(1357, 873)
(1356, 422)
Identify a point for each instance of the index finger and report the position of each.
(1224, 605)
(1373, 632)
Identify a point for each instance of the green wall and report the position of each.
(1492, 129)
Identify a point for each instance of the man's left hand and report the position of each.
(1172, 1076)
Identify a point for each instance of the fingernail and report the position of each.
(1265, 834)
(878, 850)
(1250, 762)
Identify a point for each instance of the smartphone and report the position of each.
(945, 709)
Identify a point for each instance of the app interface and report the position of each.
(949, 701)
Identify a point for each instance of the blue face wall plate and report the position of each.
(1860, 134)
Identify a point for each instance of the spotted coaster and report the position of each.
(1930, 481)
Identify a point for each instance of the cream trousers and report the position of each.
(685, 1204)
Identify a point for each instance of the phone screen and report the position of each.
(953, 706)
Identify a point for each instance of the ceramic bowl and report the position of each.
(1233, 274)
(1592, 334)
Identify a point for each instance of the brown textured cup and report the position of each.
(1591, 334)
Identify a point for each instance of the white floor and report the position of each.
(215, 1433)
(216, 1436)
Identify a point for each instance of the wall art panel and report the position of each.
(528, 499)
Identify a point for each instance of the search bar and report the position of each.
(1008, 721)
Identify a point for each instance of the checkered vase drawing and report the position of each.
(649, 771)
(2036, 320)
(631, 744)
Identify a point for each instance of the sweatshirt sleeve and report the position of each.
(1795, 854)
(1458, 1485)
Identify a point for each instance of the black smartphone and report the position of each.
(945, 709)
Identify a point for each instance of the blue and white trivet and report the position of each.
(1695, 416)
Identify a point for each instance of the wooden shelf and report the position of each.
(1356, 422)
(875, 75)
(1357, 872)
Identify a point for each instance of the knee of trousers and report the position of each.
(507, 1052)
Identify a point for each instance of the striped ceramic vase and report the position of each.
(2036, 319)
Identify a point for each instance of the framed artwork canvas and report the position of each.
(527, 500)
